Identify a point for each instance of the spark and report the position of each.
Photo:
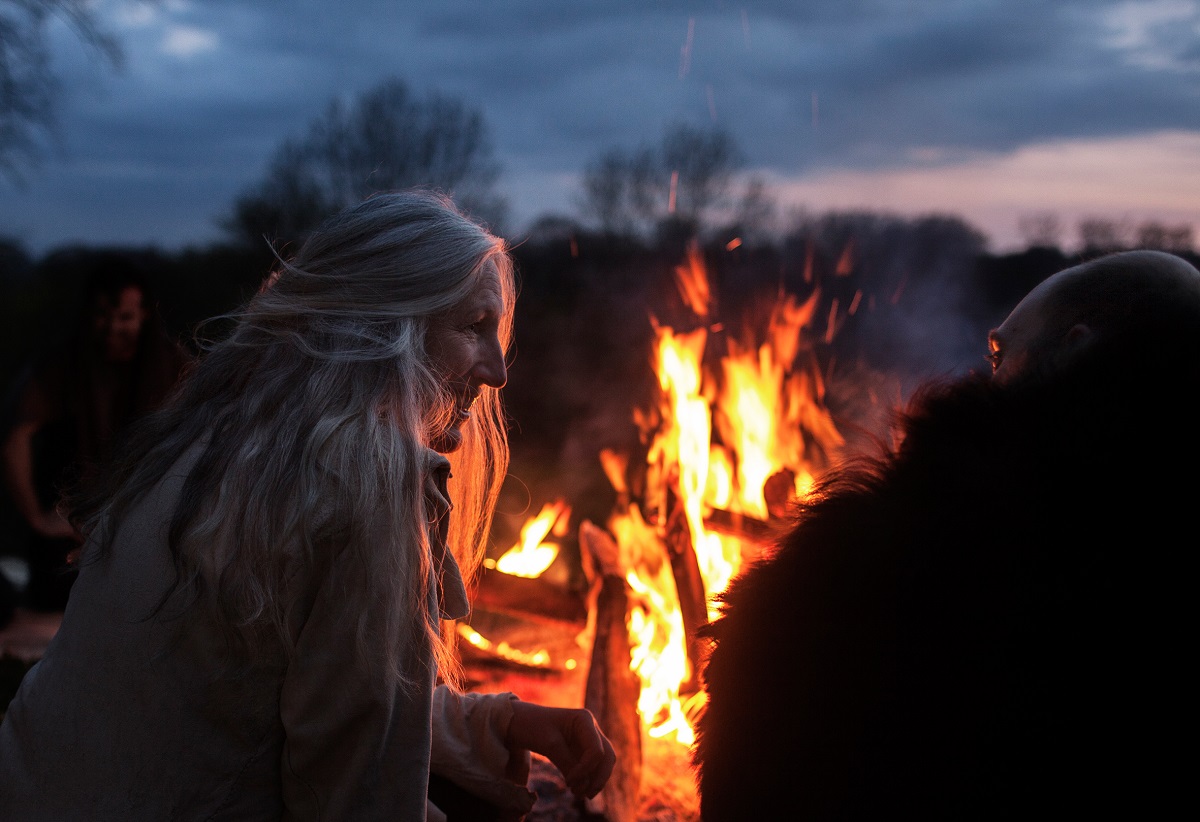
(685, 57)
(854, 303)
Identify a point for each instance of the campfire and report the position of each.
(738, 430)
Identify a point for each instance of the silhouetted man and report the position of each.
(994, 618)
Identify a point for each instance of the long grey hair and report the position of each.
(313, 417)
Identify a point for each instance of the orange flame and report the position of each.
(531, 556)
(715, 439)
(692, 282)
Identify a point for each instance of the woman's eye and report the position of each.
(481, 325)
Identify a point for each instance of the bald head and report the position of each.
(1126, 296)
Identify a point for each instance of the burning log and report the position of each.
(534, 598)
(612, 695)
(689, 586)
(745, 527)
(612, 689)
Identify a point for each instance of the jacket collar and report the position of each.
(452, 591)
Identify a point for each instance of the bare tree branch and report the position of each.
(670, 190)
(29, 87)
(386, 138)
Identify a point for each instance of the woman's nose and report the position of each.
(491, 369)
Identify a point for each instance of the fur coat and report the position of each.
(989, 620)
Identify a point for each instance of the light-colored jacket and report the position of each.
(125, 717)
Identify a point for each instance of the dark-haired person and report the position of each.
(259, 629)
(72, 404)
(993, 619)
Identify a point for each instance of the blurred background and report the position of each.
(913, 167)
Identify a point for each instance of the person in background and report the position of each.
(261, 627)
(992, 618)
(71, 406)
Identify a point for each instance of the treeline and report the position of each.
(924, 286)
(919, 280)
(898, 300)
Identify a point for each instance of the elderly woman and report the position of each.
(257, 627)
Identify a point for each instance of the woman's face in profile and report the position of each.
(463, 344)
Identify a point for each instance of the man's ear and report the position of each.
(1077, 339)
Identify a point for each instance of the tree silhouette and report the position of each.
(28, 85)
(1099, 235)
(667, 191)
(1157, 235)
(1042, 229)
(701, 165)
(385, 138)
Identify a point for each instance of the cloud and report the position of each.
(1155, 178)
(903, 87)
(135, 15)
(1155, 34)
(186, 41)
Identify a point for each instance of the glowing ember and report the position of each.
(537, 659)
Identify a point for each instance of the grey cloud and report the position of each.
(561, 81)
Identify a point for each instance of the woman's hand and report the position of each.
(569, 738)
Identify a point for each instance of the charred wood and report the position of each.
(611, 695)
(531, 598)
(745, 527)
(689, 586)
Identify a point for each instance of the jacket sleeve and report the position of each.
(352, 749)
(469, 730)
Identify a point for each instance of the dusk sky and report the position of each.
(987, 109)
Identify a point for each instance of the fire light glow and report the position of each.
(760, 405)
(715, 441)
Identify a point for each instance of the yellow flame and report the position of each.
(687, 426)
(530, 557)
(719, 491)
(765, 407)
(764, 398)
